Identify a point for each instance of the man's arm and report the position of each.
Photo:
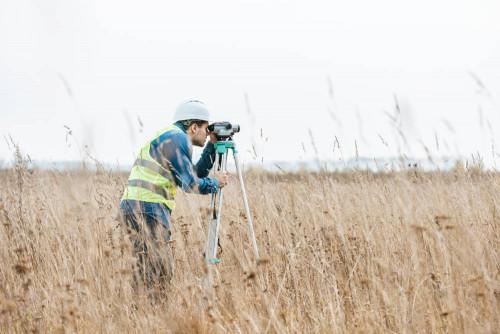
(207, 159)
(175, 153)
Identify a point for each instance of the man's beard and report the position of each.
(199, 143)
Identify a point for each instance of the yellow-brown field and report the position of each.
(353, 252)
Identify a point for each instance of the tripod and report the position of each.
(222, 148)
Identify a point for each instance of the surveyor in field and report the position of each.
(163, 164)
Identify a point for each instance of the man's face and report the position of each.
(199, 134)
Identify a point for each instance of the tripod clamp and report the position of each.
(222, 148)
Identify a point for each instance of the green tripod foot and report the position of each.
(214, 261)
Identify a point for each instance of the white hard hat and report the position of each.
(191, 109)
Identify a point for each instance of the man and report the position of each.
(163, 164)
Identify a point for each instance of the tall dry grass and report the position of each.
(353, 252)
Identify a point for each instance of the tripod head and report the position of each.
(223, 130)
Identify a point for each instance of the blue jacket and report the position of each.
(174, 151)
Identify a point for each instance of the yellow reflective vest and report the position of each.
(149, 181)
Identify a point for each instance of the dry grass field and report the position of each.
(407, 252)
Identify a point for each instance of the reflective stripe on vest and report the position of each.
(149, 181)
(151, 187)
(154, 167)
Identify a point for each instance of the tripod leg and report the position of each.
(219, 206)
(251, 232)
(212, 222)
(213, 228)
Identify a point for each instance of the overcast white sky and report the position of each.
(100, 66)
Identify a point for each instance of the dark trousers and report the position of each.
(150, 235)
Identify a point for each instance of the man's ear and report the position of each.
(192, 128)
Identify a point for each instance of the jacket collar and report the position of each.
(180, 126)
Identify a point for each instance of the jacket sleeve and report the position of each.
(207, 159)
(176, 154)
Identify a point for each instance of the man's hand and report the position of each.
(213, 138)
(222, 177)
